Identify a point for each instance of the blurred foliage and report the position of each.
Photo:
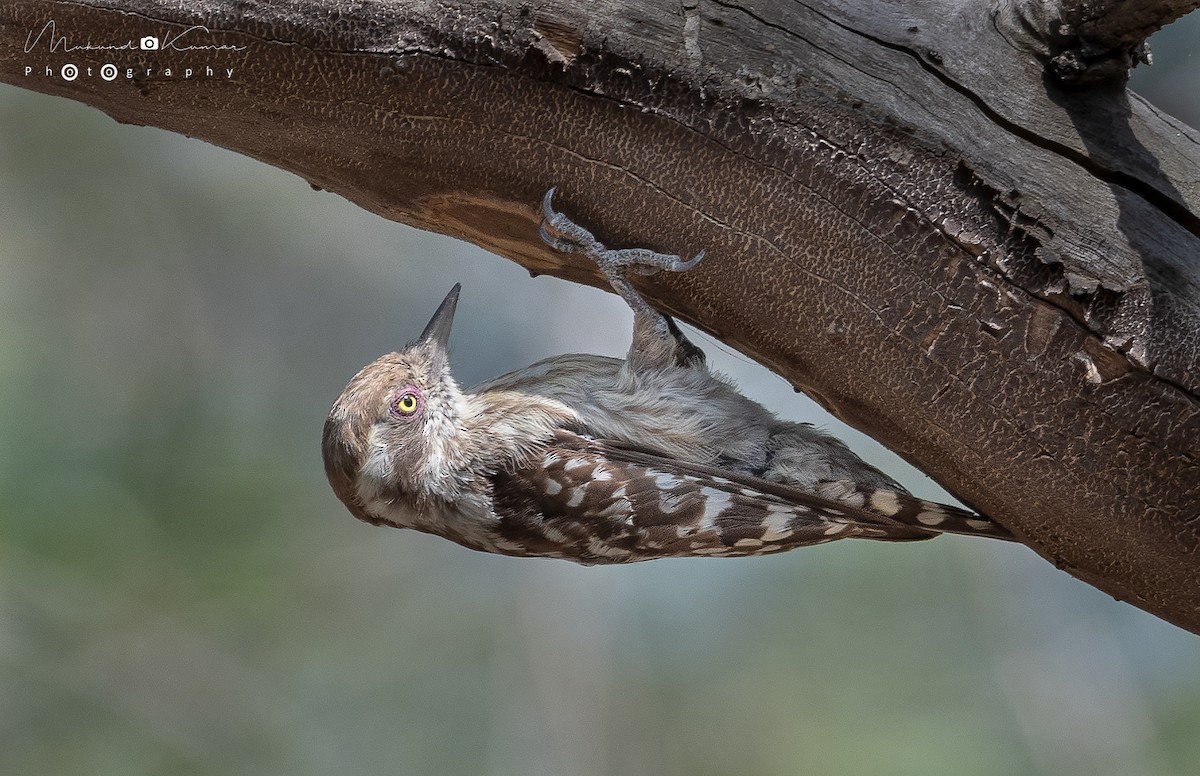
(180, 593)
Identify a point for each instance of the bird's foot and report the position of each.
(561, 233)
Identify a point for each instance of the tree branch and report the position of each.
(994, 276)
(1091, 41)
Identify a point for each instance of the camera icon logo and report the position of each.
(149, 43)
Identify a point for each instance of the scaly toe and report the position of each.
(561, 233)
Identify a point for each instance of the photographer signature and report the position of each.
(148, 43)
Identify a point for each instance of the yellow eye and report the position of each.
(407, 403)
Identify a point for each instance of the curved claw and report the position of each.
(684, 266)
(561, 233)
(547, 211)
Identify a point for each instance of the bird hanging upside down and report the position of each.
(599, 460)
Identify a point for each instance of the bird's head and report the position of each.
(389, 441)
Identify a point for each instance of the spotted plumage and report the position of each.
(602, 460)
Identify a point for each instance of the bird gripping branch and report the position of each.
(603, 460)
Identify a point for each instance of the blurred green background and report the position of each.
(180, 593)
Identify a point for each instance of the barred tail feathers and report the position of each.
(930, 515)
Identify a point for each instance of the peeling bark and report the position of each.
(905, 214)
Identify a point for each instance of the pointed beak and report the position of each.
(437, 331)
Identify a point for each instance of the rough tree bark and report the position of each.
(947, 221)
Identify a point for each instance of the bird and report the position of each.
(602, 460)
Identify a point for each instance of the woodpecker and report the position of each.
(602, 460)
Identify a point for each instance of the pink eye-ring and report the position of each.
(408, 402)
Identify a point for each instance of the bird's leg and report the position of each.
(657, 340)
(563, 234)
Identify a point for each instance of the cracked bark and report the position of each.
(905, 215)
